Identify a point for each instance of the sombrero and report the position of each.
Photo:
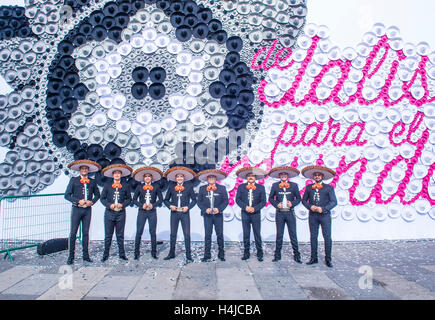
(125, 170)
(93, 166)
(291, 172)
(203, 175)
(307, 172)
(259, 173)
(189, 174)
(138, 174)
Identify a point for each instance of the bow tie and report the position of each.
(85, 180)
(284, 184)
(317, 186)
(147, 187)
(211, 187)
(116, 185)
(179, 188)
(251, 186)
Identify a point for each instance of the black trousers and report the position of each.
(80, 215)
(142, 217)
(315, 220)
(283, 218)
(114, 221)
(176, 218)
(249, 219)
(216, 220)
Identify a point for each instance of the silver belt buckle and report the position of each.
(179, 209)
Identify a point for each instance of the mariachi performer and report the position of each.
(83, 193)
(180, 198)
(285, 196)
(147, 197)
(251, 198)
(115, 197)
(212, 200)
(319, 198)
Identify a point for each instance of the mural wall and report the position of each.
(158, 82)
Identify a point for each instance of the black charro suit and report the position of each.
(283, 217)
(327, 201)
(114, 219)
(187, 199)
(220, 202)
(156, 199)
(75, 192)
(259, 201)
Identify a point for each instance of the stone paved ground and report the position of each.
(381, 270)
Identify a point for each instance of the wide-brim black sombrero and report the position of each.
(125, 170)
(188, 173)
(93, 166)
(291, 172)
(203, 175)
(258, 172)
(138, 174)
(308, 172)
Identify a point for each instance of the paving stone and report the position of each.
(156, 284)
(83, 280)
(36, 284)
(114, 287)
(399, 286)
(236, 283)
(349, 281)
(102, 298)
(318, 286)
(17, 297)
(430, 268)
(274, 287)
(14, 275)
(196, 281)
(5, 266)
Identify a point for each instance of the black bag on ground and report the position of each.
(52, 246)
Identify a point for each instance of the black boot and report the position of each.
(70, 260)
(277, 256)
(170, 256)
(104, 258)
(221, 255)
(260, 255)
(154, 255)
(189, 258)
(87, 259)
(313, 261)
(123, 257)
(207, 257)
(297, 258)
(136, 251)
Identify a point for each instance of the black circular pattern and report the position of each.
(140, 74)
(13, 23)
(234, 88)
(76, 4)
(140, 90)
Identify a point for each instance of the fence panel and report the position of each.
(28, 220)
